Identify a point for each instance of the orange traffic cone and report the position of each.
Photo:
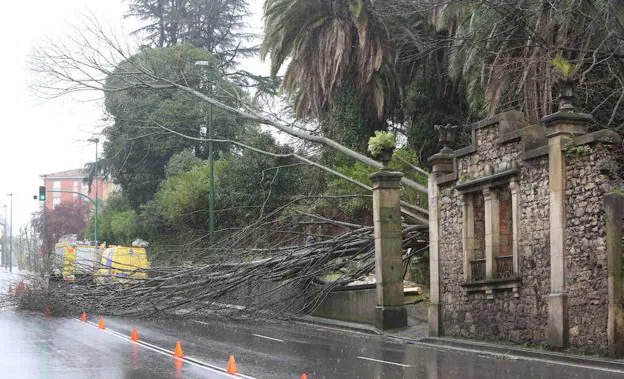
(304, 376)
(178, 350)
(101, 324)
(231, 367)
(135, 335)
(84, 316)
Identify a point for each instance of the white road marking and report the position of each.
(380, 361)
(201, 322)
(257, 335)
(268, 338)
(157, 349)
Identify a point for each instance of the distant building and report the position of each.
(76, 180)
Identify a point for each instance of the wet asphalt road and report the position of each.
(35, 346)
(285, 350)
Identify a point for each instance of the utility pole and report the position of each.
(211, 201)
(11, 235)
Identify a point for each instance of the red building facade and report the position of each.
(63, 187)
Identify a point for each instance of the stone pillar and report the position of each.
(614, 207)
(468, 234)
(561, 126)
(390, 311)
(515, 217)
(492, 226)
(442, 164)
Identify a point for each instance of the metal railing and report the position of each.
(504, 266)
(477, 269)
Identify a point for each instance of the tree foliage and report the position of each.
(385, 55)
(503, 51)
(65, 218)
(118, 223)
(248, 185)
(137, 149)
(328, 43)
(214, 25)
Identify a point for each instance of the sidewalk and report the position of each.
(416, 334)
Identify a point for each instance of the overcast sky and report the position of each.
(41, 136)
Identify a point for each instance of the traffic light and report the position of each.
(42, 193)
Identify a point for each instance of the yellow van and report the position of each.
(120, 263)
(73, 259)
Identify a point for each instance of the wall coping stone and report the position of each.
(561, 117)
(448, 178)
(466, 150)
(510, 125)
(490, 180)
(535, 153)
(605, 136)
(485, 122)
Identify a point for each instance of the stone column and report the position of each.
(492, 235)
(390, 311)
(614, 207)
(561, 126)
(515, 217)
(442, 164)
(468, 234)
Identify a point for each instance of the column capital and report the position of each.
(566, 123)
(442, 163)
(488, 194)
(386, 179)
(513, 186)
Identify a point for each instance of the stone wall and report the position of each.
(505, 317)
(586, 242)
(534, 253)
(518, 311)
(355, 305)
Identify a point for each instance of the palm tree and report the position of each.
(503, 52)
(324, 44)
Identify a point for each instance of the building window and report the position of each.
(474, 240)
(504, 255)
(490, 233)
(56, 201)
(75, 189)
(57, 187)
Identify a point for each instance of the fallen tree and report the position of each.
(280, 281)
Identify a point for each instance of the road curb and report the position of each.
(336, 324)
(488, 348)
(474, 346)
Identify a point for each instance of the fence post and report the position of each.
(561, 126)
(390, 312)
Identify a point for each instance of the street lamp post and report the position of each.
(11, 235)
(211, 202)
(95, 229)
